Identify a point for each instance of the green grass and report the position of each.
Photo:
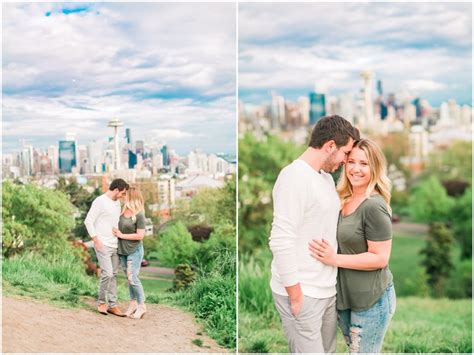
(61, 281)
(420, 324)
(408, 275)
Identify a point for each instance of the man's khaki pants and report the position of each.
(314, 329)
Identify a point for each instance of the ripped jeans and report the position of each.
(364, 331)
(131, 266)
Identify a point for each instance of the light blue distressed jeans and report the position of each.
(131, 266)
(364, 331)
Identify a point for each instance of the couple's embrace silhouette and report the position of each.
(117, 231)
(331, 245)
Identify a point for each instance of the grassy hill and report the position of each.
(420, 324)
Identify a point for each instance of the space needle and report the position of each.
(116, 123)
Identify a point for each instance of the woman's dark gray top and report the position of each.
(359, 290)
(128, 226)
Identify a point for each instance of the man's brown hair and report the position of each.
(333, 128)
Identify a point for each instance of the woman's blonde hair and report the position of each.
(379, 180)
(134, 202)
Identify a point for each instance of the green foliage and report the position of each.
(459, 284)
(184, 276)
(54, 277)
(209, 206)
(35, 219)
(461, 218)
(453, 163)
(259, 346)
(437, 256)
(429, 202)
(212, 299)
(81, 199)
(150, 246)
(197, 342)
(218, 252)
(176, 245)
(259, 165)
(255, 295)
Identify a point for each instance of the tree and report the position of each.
(461, 219)
(260, 162)
(35, 219)
(176, 245)
(429, 202)
(81, 199)
(451, 163)
(437, 256)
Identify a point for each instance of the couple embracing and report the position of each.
(331, 245)
(117, 232)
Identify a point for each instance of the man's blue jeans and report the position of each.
(364, 331)
(131, 266)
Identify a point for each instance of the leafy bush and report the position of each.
(176, 245)
(212, 299)
(184, 277)
(461, 218)
(429, 202)
(35, 219)
(150, 246)
(437, 256)
(459, 284)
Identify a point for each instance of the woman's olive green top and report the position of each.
(356, 289)
(128, 226)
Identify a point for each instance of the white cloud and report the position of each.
(420, 47)
(153, 65)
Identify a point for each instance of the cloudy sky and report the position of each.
(166, 70)
(423, 49)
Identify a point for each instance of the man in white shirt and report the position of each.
(306, 206)
(102, 217)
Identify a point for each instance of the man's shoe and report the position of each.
(102, 308)
(116, 311)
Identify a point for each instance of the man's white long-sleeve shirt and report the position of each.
(101, 218)
(305, 207)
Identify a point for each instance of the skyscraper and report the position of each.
(132, 159)
(67, 156)
(317, 107)
(164, 152)
(128, 135)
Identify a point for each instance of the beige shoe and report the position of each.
(140, 312)
(102, 308)
(131, 309)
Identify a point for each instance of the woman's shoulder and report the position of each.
(375, 203)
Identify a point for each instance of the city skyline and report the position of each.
(421, 49)
(166, 70)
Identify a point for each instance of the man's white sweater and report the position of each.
(305, 207)
(101, 218)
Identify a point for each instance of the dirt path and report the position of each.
(411, 228)
(30, 326)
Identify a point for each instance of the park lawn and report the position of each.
(153, 285)
(419, 325)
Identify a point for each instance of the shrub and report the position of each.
(150, 246)
(459, 284)
(184, 276)
(437, 260)
(35, 219)
(176, 245)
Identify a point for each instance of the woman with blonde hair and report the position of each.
(130, 248)
(366, 298)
